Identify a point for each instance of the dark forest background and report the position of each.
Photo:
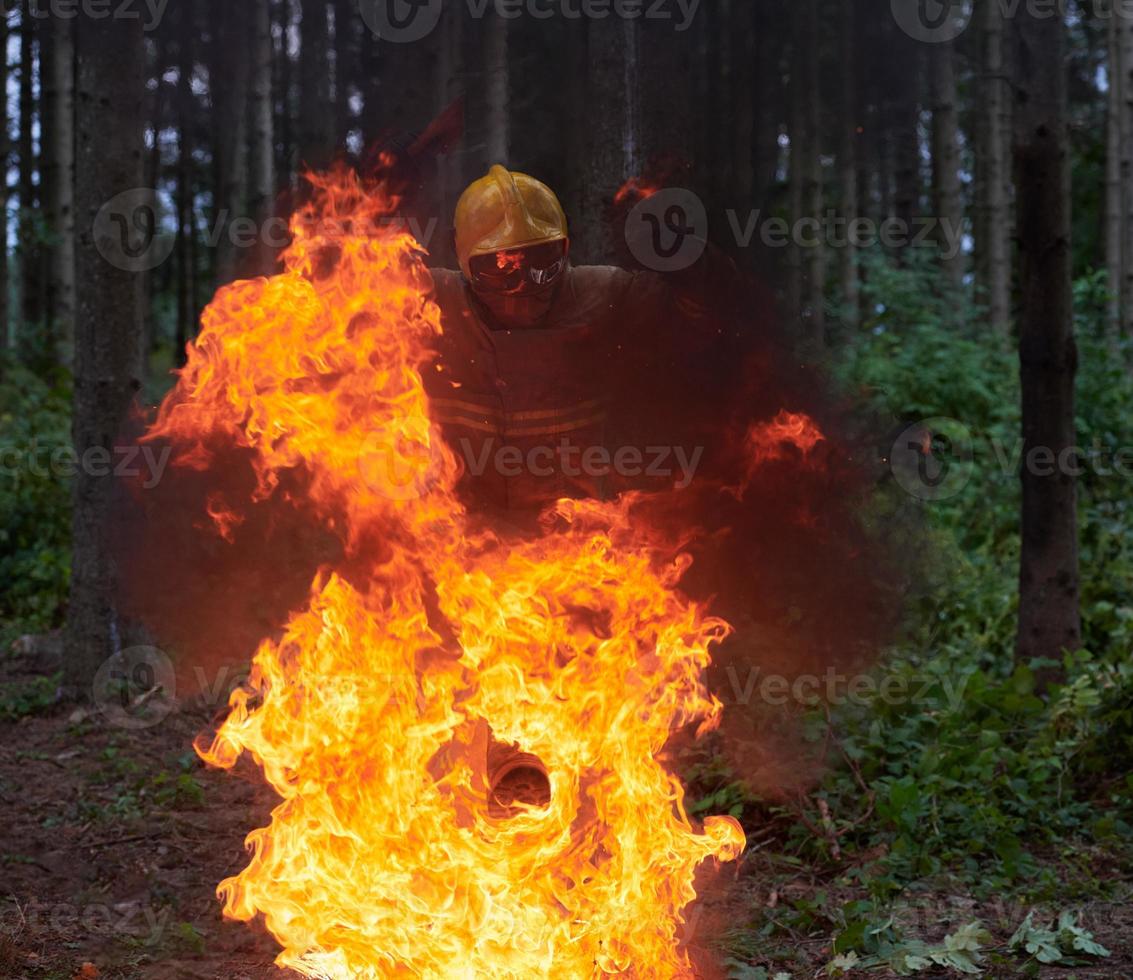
(997, 321)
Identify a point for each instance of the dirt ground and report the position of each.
(112, 843)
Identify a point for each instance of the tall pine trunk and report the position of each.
(229, 72)
(1116, 158)
(947, 194)
(1048, 568)
(808, 261)
(345, 54)
(261, 190)
(849, 127)
(1125, 52)
(29, 238)
(59, 179)
(497, 88)
(109, 118)
(186, 226)
(608, 158)
(995, 186)
(8, 335)
(316, 118)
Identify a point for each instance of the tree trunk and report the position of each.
(1115, 155)
(8, 336)
(316, 117)
(995, 186)
(767, 101)
(109, 120)
(282, 72)
(808, 266)
(451, 175)
(345, 22)
(905, 79)
(261, 203)
(947, 194)
(497, 87)
(59, 179)
(186, 272)
(851, 126)
(608, 157)
(229, 92)
(29, 240)
(1048, 569)
(1125, 51)
(743, 88)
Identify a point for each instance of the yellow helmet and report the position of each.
(506, 210)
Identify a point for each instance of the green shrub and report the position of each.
(35, 500)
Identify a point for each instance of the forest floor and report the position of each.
(112, 842)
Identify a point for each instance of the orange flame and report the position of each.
(372, 715)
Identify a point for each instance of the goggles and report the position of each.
(512, 270)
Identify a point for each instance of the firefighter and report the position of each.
(534, 351)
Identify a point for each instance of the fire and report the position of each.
(635, 189)
(372, 715)
(768, 440)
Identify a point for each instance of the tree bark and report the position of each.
(186, 231)
(905, 80)
(742, 24)
(8, 336)
(109, 120)
(345, 49)
(1125, 50)
(947, 194)
(497, 89)
(316, 118)
(1116, 157)
(995, 185)
(59, 180)
(608, 157)
(29, 238)
(768, 116)
(229, 72)
(850, 127)
(1048, 569)
(261, 203)
(281, 81)
(808, 264)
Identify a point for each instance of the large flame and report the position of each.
(371, 717)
